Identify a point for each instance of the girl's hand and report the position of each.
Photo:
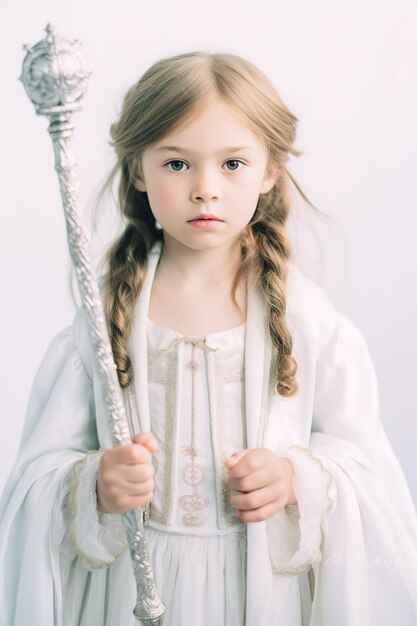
(125, 477)
(261, 483)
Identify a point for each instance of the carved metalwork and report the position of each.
(55, 77)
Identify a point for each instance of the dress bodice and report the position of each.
(196, 398)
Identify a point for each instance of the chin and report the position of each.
(204, 242)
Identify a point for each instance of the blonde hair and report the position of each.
(168, 94)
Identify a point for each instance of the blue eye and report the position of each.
(176, 165)
(236, 162)
(176, 162)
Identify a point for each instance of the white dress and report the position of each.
(197, 543)
(352, 534)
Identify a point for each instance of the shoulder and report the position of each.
(301, 289)
(83, 340)
(312, 314)
(309, 308)
(73, 343)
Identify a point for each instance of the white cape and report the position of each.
(352, 536)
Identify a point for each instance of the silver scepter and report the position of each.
(55, 77)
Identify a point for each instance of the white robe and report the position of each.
(353, 534)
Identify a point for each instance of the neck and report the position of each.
(195, 267)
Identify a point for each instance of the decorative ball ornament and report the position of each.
(54, 74)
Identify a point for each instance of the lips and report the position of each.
(206, 216)
(205, 222)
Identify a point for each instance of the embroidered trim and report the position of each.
(224, 367)
(100, 528)
(193, 473)
(330, 482)
(162, 369)
(301, 524)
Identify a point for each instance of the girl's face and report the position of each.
(203, 181)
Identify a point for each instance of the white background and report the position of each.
(347, 69)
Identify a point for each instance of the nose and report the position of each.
(205, 187)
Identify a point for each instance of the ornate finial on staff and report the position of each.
(55, 74)
(55, 77)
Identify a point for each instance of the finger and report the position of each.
(262, 477)
(235, 457)
(265, 476)
(122, 489)
(255, 499)
(127, 503)
(137, 489)
(258, 515)
(130, 454)
(146, 439)
(136, 473)
(247, 461)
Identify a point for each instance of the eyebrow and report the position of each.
(184, 150)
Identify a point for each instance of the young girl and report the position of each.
(272, 493)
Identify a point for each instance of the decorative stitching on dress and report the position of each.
(193, 473)
(294, 509)
(162, 368)
(302, 569)
(76, 471)
(228, 367)
(314, 458)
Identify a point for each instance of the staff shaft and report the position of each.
(54, 75)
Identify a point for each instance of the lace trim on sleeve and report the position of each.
(98, 538)
(295, 533)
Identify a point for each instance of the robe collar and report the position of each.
(257, 358)
(257, 374)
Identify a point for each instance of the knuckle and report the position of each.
(244, 484)
(106, 478)
(112, 491)
(145, 488)
(124, 504)
(252, 464)
(132, 453)
(255, 501)
(278, 474)
(148, 471)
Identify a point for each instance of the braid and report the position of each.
(127, 263)
(266, 251)
(273, 251)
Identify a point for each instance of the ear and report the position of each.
(139, 184)
(269, 179)
(137, 175)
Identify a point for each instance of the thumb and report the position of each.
(146, 439)
(235, 458)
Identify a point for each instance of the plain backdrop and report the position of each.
(346, 69)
